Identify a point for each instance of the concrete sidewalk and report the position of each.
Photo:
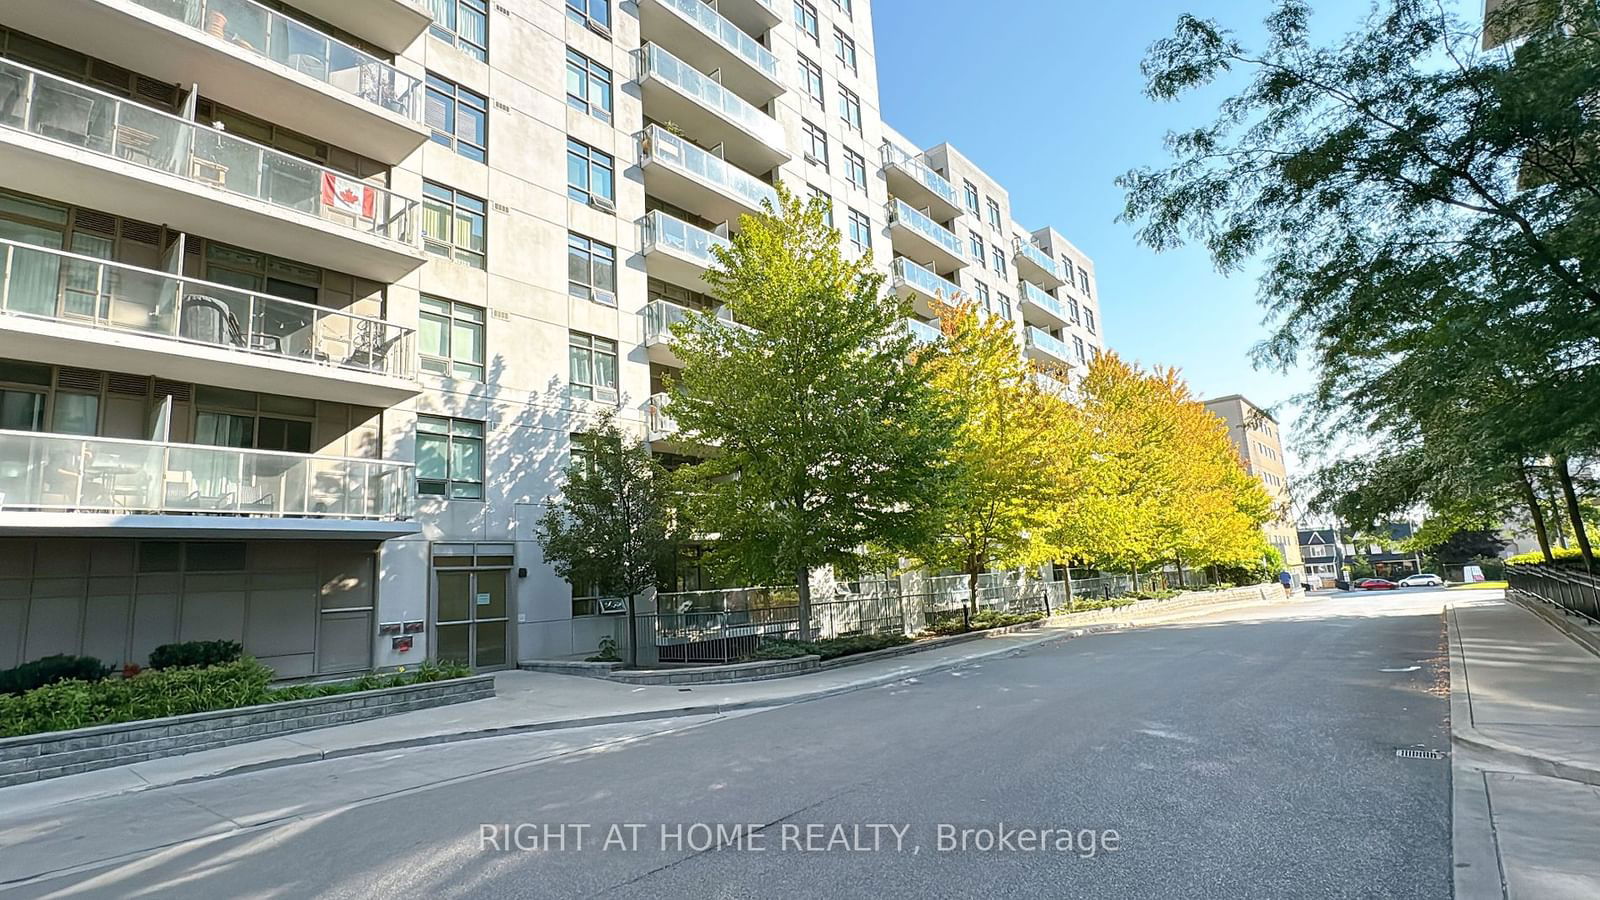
(1525, 718)
(536, 701)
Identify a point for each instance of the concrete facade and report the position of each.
(1258, 438)
(492, 213)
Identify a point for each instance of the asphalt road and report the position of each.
(1237, 757)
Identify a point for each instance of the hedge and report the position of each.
(49, 670)
(179, 691)
(828, 648)
(1536, 558)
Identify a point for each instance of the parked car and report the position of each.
(1425, 579)
(1376, 584)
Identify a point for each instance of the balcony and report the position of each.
(659, 317)
(62, 308)
(675, 91)
(912, 179)
(716, 43)
(72, 143)
(71, 485)
(678, 252)
(1038, 307)
(926, 290)
(923, 332)
(250, 57)
(659, 425)
(755, 17)
(920, 237)
(689, 177)
(1050, 384)
(1043, 348)
(1037, 266)
(391, 24)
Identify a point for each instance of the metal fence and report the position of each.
(1572, 589)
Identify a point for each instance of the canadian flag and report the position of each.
(348, 195)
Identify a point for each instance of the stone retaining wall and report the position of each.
(36, 757)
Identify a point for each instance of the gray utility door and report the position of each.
(471, 617)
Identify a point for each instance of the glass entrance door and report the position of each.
(471, 618)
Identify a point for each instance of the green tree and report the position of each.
(829, 440)
(612, 525)
(1015, 440)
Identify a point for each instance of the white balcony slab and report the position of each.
(918, 236)
(694, 178)
(675, 91)
(391, 24)
(692, 29)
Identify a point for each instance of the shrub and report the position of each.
(1536, 558)
(829, 648)
(1092, 605)
(953, 624)
(49, 670)
(196, 653)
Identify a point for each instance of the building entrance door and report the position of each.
(471, 617)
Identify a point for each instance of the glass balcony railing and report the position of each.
(661, 315)
(42, 283)
(273, 36)
(916, 168)
(918, 278)
(660, 422)
(665, 232)
(728, 34)
(654, 61)
(903, 213)
(66, 473)
(662, 146)
(1044, 342)
(43, 105)
(1042, 299)
(923, 332)
(1038, 257)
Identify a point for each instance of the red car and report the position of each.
(1377, 584)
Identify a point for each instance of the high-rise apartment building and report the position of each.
(305, 302)
(1258, 438)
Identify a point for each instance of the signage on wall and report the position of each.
(388, 628)
(413, 628)
(484, 599)
(401, 644)
(613, 606)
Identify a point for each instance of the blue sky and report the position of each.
(1069, 71)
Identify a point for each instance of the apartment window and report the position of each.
(994, 212)
(591, 12)
(850, 108)
(811, 74)
(590, 174)
(458, 117)
(805, 16)
(827, 203)
(454, 225)
(1088, 319)
(816, 144)
(1004, 304)
(463, 24)
(855, 168)
(451, 339)
(1072, 310)
(845, 49)
(1077, 347)
(1083, 279)
(860, 231)
(971, 191)
(450, 457)
(982, 290)
(999, 258)
(977, 245)
(591, 270)
(588, 86)
(845, 6)
(592, 367)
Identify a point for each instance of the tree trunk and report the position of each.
(972, 587)
(633, 633)
(1181, 583)
(1536, 511)
(1072, 600)
(1574, 512)
(803, 583)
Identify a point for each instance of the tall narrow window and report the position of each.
(593, 13)
(458, 118)
(588, 86)
(591, 270)
(450, 458)
(591, 175)
(463, 24)
(827, 203)
(860, 231)
(451, 339)
(811, 74)
(844, 48)
(816, 144)
(855, 168)
(850, 109)
(970, 191)
(994, 212)
(999, 258)
(454, 225)
(976, 241)
(592, 367)
(805, 16)
(1088, 319)
(1083, 279)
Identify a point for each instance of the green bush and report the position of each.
(196, 653)
(49, 670)
(1092, 605)
(950, 624)
(179, 691)
(829, 648)
(1536, 558)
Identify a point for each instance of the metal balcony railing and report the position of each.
(42, 472)
(273, 36)
(43, 283)
(40, 104)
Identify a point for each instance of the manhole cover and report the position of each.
(1419, 754)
